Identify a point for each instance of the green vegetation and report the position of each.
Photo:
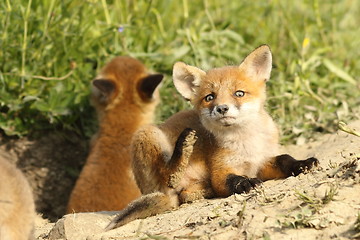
(307, 214)
(51, 49)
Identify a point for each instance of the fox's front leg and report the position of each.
(227, 181)
(284, 166)
(158, 164)
(180, 158)
(229, 175)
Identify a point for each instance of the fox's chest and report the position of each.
(248, 153)
(245, 158)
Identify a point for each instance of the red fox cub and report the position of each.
(227, 144)
(17, 208)
(125, 96)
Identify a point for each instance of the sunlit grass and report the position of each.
(51, 49)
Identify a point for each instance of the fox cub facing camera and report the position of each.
(227, 144)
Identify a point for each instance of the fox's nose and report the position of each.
(222, 109)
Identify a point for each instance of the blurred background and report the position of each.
(52, 49)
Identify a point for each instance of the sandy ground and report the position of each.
(322, 204)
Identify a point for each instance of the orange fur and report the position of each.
(227, 144)
(270, 171)
(125, 97)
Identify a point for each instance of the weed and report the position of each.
(265, 199)
(357, 223)
(266, 236)
(345, 128)
(299, 219)
(332, 165)
(356, 227)
(346, 169)
(50, 50)
(241, 215)
(307, 216)
(315, 202)
(329, 195)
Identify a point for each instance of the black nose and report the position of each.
(222, 109)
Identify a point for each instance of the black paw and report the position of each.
(292, 167)
(184, 144)
(304, 165)
(240, 184)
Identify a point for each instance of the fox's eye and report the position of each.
(209, 97)
(239, 93)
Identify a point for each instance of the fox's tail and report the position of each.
(145, 206)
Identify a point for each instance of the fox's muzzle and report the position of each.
(222, 109)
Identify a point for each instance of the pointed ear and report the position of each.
(186, 78)
(258, 63)
(104, 85)
(103, 88)
(148, 84)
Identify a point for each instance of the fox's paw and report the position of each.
(184, 146)
(304, 165)
(180, 159)
(188, 137)
(240, 184)
(292, 167)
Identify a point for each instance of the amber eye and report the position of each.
(239, 93)
(209, 97)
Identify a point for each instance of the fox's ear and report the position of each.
(258, 63)
(105, 86)
(148, 84)
(186, 78)
(102, 89)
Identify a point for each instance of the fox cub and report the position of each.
(125, 96)
(17, 208)
(227, 144)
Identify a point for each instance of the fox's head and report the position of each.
(122, 82)
(229, 96)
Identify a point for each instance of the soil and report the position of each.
(51, 163)
(321, 204)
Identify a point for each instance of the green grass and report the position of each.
(51, 49)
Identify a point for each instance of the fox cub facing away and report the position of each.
(227, 144)
(17, 208)
(125, 96)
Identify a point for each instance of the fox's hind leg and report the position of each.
(284, 166)
(196, 191)
(158, 167)
(158, 163)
